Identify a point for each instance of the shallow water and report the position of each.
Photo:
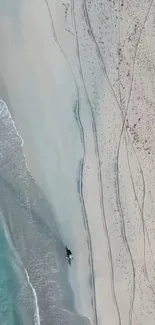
(33, 269)
(8, 283)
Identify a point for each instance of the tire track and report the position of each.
(99, 173)
(123, 231)
(121, 134)
(144, 228)
(118, 198)
(117, 169)
(124, 236)
(81, 169)
(84, 213)
(141, 209)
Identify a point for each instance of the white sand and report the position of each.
(119, 194)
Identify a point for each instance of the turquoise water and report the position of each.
(9, 286)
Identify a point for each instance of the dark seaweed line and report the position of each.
(104, 70)
(99, 175)
(81, 168)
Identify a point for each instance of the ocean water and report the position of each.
(9, 283)
(34, 286)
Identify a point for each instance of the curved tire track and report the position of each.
(85, 11)
(81, 168)
(84, 213)
(99, 174)
(141, 209)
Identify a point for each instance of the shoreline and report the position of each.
(83, 101)
(35, 235)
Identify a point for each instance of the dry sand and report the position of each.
(79, 78)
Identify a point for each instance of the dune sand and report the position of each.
(78, 78)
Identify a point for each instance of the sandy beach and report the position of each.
(78, 80)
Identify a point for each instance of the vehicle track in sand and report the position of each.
(81, 167)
